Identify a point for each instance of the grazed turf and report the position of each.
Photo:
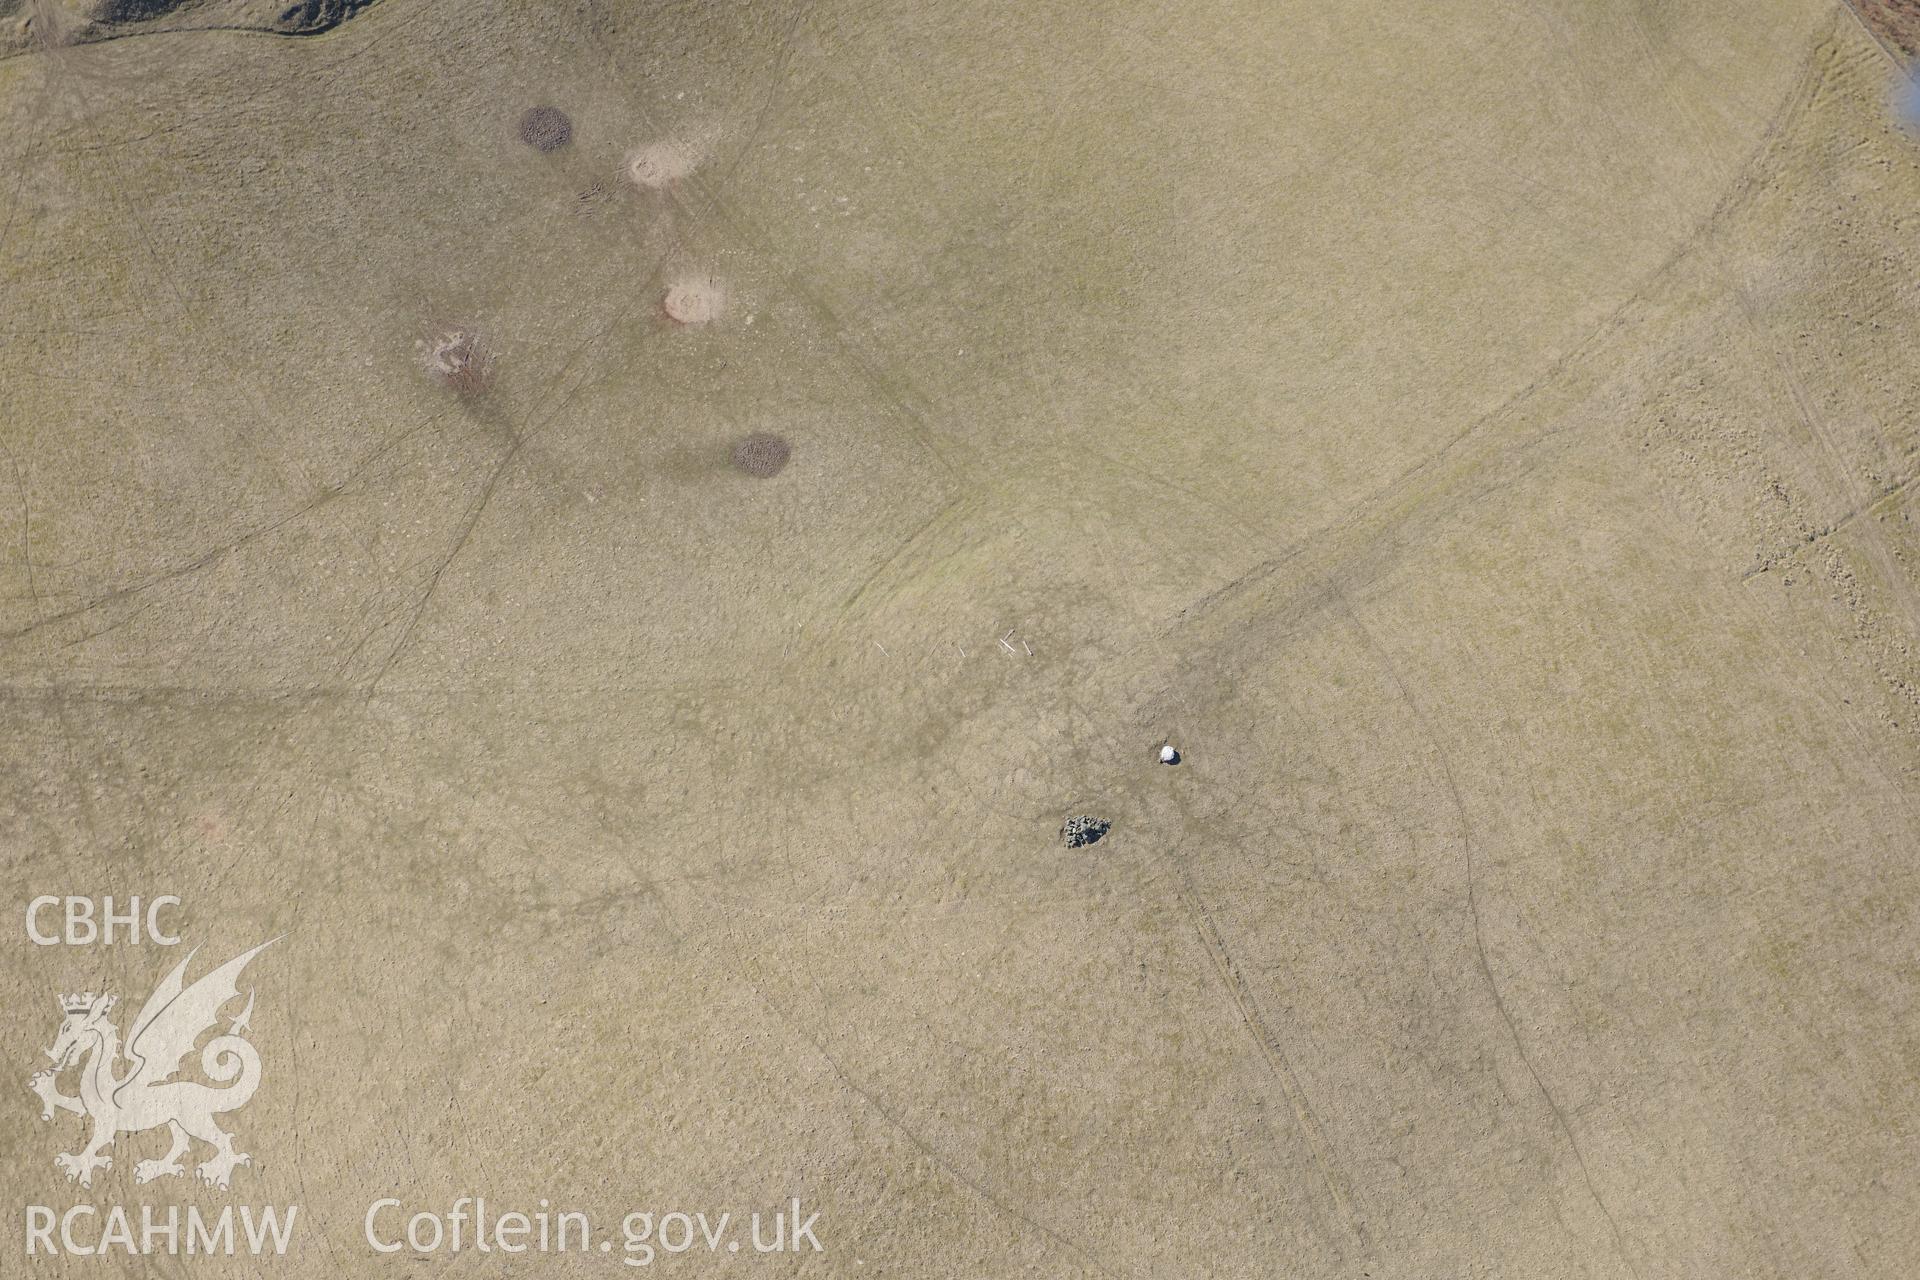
(1482, 439)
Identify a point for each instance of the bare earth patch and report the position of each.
(693, 302)
(658, 165)
(459, 359)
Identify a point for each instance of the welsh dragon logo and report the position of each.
(144, 1095)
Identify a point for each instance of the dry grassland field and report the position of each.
(905, 638)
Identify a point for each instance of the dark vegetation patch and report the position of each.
(545, 128)
(132, 10)
(761, 454)
(311, 17)
(301, 18)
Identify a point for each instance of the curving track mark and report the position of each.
(1388, 669)
(921, 1144)
(1274, 1055)
(1371, 518)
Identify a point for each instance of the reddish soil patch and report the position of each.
(1895, 22)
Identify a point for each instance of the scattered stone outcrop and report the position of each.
(1084, 830)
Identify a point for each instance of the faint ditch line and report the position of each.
(1278, 1064)
(1392, 673)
